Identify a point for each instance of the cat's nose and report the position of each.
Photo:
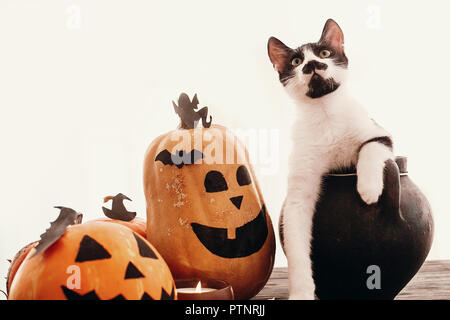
(313, 65)
(237, 201)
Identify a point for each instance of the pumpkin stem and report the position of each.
(189, 118)
(106, 199)
(6, 295)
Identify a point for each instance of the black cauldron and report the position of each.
(354, 242)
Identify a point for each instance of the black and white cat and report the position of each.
(332, 131)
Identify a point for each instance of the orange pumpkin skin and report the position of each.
(138, 224)
(42, 277)
(177, 201)
(17, 262)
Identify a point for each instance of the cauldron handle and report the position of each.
(392, 192)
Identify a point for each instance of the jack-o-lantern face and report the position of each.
(248, 238)
(95, 261)
(205, 211)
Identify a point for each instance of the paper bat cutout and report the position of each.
(179, 158)
(118, 210)
(67, 217)
(186, 111)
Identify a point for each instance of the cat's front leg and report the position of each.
(298, 211)
(370, 167)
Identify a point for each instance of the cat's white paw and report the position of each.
(302, 296)
(370, 190)
(305, 293)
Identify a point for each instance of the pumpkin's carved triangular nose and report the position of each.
(237, 201)
(133, 272)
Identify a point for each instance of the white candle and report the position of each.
(197, 289)
(193, 290)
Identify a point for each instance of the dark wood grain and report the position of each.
(432, 282)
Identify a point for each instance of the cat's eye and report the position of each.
(296, 62)
(324, 54)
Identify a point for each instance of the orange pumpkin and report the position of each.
(138, 224)
(96, 260)
(17, 262)
(205, 211)
(123, 217)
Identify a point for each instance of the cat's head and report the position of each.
(313, 70)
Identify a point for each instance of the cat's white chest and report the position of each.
(331, 141)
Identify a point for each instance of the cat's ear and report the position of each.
(332, 35)
(279, 53)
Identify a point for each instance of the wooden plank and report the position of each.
(432, 282)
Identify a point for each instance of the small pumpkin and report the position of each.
(205, 211)
(95, 261)
(119, 214)
(138, 224)
(16, 262)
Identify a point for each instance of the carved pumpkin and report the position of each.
(205, 211)
(136, 224)
(96, 261)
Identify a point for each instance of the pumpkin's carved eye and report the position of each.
(215, 182)
(91, 250)
(144, 250)
(243, 176)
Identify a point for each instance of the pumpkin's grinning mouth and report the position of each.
(92, 295)
(249, 238)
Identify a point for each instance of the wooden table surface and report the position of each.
(431, 282)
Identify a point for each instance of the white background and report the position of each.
(86, 85)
